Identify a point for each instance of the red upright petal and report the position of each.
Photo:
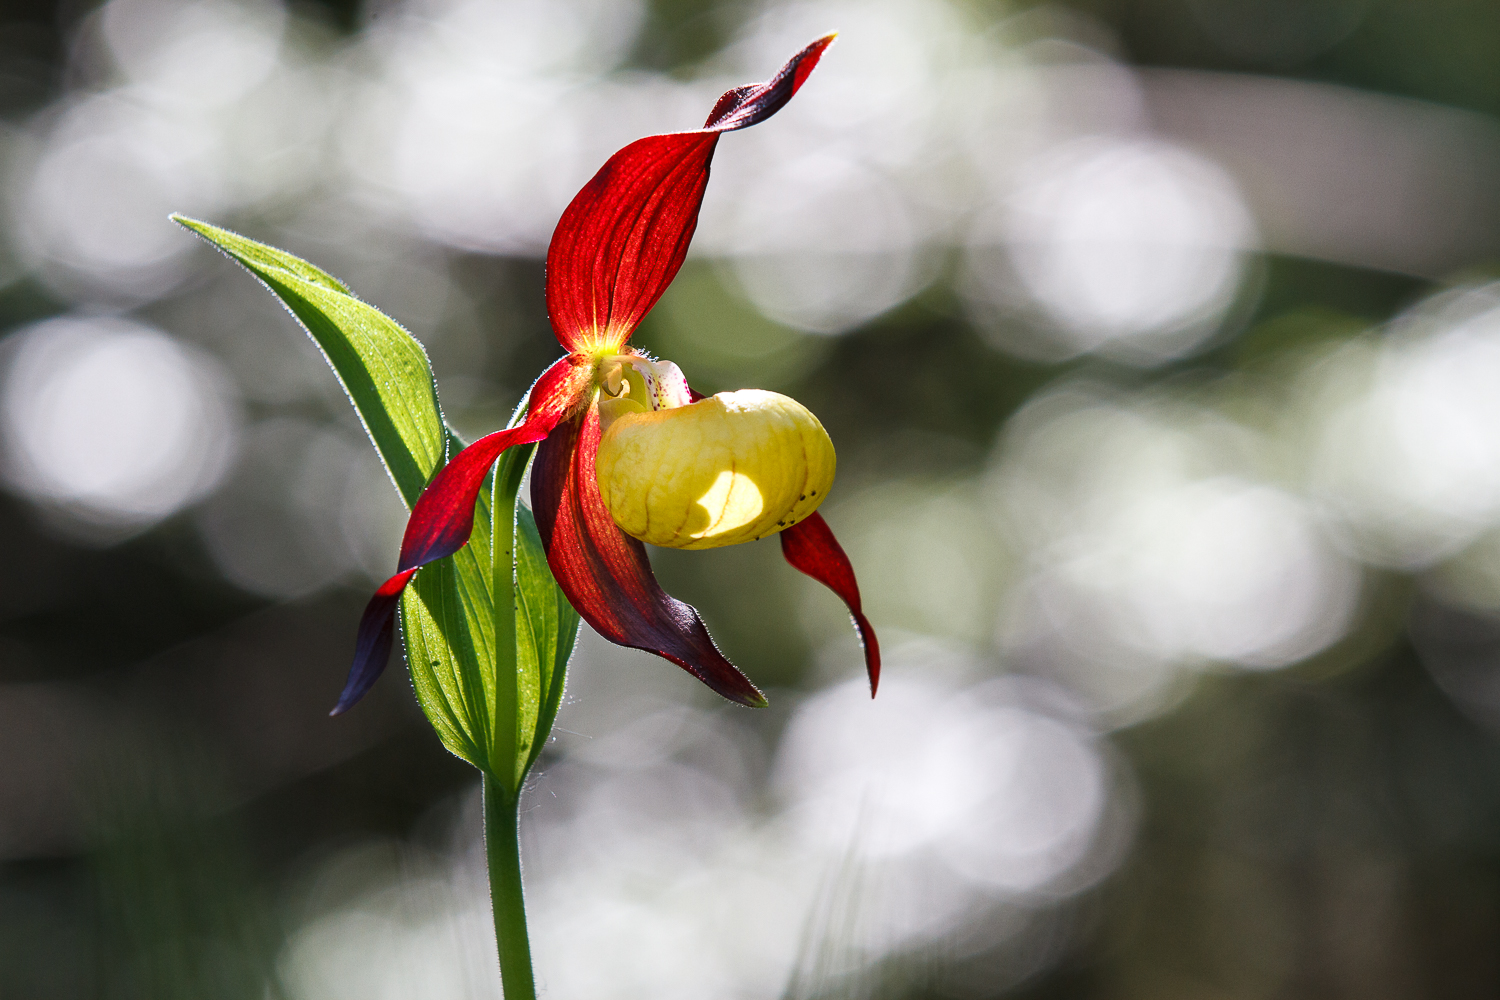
(443, 518)
(621, 241)
(619, 244)
(605, 573)
(810, 546)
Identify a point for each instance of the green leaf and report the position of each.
(446, 616)
(512, 721)
(488, 673)
(259, 257)
(546, 627)
(540, 624)
(382, 368)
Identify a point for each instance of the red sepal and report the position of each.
(605, 573)
(623, 238)
(809, 545)
(621, 241)
(443, 519)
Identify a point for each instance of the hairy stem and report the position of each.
(502, 847)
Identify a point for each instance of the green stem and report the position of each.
(502, 848)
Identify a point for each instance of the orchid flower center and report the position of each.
(634, 383)
(729, 469)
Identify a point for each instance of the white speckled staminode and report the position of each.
(729, 469)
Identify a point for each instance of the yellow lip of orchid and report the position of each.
(724, 470)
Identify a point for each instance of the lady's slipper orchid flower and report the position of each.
(629, 453)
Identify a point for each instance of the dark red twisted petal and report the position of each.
(809, 545)
(372, 648)
(443, 519)
(623, 238)
(605, 573)
(750, 105)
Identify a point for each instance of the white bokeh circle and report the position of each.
(113, 421)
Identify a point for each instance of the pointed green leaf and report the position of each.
(488, 673)
(382, 368)
(259, 257)
(385, 372)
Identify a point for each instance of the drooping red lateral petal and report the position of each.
(809, 545)
(372, 648)
(443, 519)
(621, 241)
(605, 573)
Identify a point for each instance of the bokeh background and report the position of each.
(1160, 340)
